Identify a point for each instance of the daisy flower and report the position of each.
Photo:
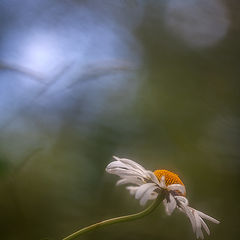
(147, 185)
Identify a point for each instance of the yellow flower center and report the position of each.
(170, 177)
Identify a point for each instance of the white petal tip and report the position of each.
(108, 169)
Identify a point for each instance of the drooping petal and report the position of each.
(115, 164)
(126, 168)
(205, 226)
(170, 204)
(198, 225)
(121, 182)
(205, 216)
(153, 177)
(188, 211)
(131, 163)
(195, 217)
(182, 200)
(177, 187)
(147, 195)
(123, 173)
(162, 183)
(119, 168)
(132, 189)
(141, 190)
(153, 195)
(146, 192)
(130, 180)
(165, 204)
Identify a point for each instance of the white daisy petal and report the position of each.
(170, 205)
(177, 187)
(197, 222)
(122, 182)
(153, 195)
(187, 210)
(119, 167)
(147, 195)
(123, 172)
(153, 177)
(115, 164)
(165, 204)
(205, 226)
(162, 183)
(198, 225)
(205, 216)
(144, 200)
(142, 189)
(130, 180)
(131, 163)
(132, 189)
(182, 199)
(126, 167)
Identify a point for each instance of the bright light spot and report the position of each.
(199, 23)
(41, 53)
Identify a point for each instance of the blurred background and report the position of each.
(153, 81)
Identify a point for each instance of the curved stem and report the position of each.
(126, 218)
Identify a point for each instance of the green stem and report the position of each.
(126, 218)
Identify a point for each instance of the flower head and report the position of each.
(147, 185)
